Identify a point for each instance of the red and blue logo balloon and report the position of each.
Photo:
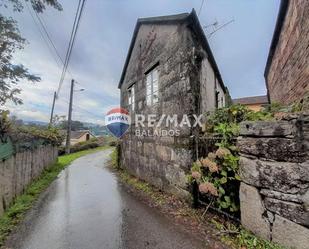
(117, 121)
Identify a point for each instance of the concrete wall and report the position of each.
(18, 171)
(274, 193)
(288, 73)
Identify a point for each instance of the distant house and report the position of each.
(286, 72)
(254, 103)
(79, 136)
(169, 70)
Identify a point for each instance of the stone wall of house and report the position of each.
(184, 71)
(210, 88)
(288, 73)
(161, 160)
(274, 166)
(17, 172)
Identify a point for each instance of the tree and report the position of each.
(11, 74)
(10, 41)
(57, 120)
(38, 5)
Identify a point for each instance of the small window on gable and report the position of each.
(131, 97)
(217, 102)
(152, 87)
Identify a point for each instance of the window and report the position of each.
(131, 97)
(217, 99)
(152, 87)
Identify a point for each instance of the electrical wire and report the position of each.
(94, 94)
(65, 63)
(77, 19)
(42, 35)
(43, 25)
(201, 7)
(82, 109)
(48, 36)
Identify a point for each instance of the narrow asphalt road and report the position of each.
(86, 208)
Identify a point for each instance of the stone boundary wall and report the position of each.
(17, 172)
(163, 162)
(274, 166)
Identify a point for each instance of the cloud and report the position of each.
(29, 115)
(103, 39)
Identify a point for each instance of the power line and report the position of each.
(77, 19)
(110, 102)
(48, 36)
(42, 35)
(50, 41)
(201, 7)
(82, 109)
(68, 49)
(64, 65)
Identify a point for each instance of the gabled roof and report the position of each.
(251, 100)
(77, 134)
(191, 19)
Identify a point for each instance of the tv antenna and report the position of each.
(216, 27)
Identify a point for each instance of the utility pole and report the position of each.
(67, 144)
(52, 110)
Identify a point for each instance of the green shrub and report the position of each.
(85, 145)
(217, 174)
(30, 133)
(113, 143)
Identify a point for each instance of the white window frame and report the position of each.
(152, 87)
(131, 97)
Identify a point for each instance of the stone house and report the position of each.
(287, 72)
(79, 136)
(254, 103)
(169, 70)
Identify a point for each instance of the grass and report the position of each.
(25, 201)
(234, 236)
(238, 237)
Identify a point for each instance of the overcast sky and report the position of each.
(240, 49)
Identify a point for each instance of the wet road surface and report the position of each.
(86, 208)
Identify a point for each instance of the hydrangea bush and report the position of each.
(217, 174)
